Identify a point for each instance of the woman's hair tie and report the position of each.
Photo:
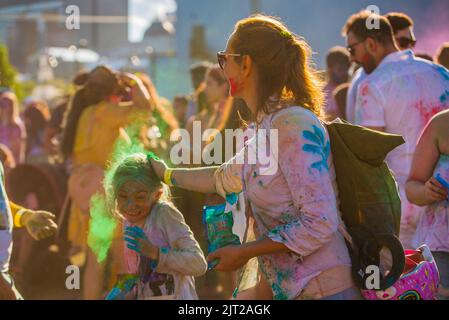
(286, 35)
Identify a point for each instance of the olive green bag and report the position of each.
(369, 198)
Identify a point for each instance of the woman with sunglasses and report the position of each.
(293, 209)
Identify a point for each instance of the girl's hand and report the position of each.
(137, 240)
(434, 191)
(230, 258)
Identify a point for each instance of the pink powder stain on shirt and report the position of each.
(428, 111)
(364, 90)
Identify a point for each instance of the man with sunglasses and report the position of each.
(405, 39)
(402, 26)
(399, 95)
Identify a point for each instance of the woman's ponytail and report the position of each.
(302, 82)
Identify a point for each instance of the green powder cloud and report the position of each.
(103, 221)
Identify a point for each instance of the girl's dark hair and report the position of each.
(96, 85)
(283, 62)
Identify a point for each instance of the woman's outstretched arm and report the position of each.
(194, 179)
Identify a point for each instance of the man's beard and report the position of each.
(369, 65)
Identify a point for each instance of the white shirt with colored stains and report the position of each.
(295, 204)
(402, 95)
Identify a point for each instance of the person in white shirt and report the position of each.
(399, 95)
(402, 26)
(359, 76)
(405, 38)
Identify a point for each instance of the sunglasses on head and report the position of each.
(406, 42)
(222, 57)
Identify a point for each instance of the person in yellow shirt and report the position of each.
(96, 119)
(39, 224)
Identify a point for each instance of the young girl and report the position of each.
(160, 248)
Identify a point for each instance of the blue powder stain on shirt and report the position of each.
(278, 293)
(165, 250)
(153, 264)
(260, 183)
(443, 71)
(444, 97)
(318, 146)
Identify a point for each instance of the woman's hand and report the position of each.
(230, 258)
(158, 166)
(228, 179)
(434, 191)
(137, 240)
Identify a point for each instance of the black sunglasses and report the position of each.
(222, 57)
(406, 42)
(351, 48)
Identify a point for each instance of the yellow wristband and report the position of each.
(18, 218)
(167, 177)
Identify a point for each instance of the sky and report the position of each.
(143, 12)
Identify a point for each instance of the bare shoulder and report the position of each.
(439, 126)
(440, 121)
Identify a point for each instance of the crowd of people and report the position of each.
(293, 245)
